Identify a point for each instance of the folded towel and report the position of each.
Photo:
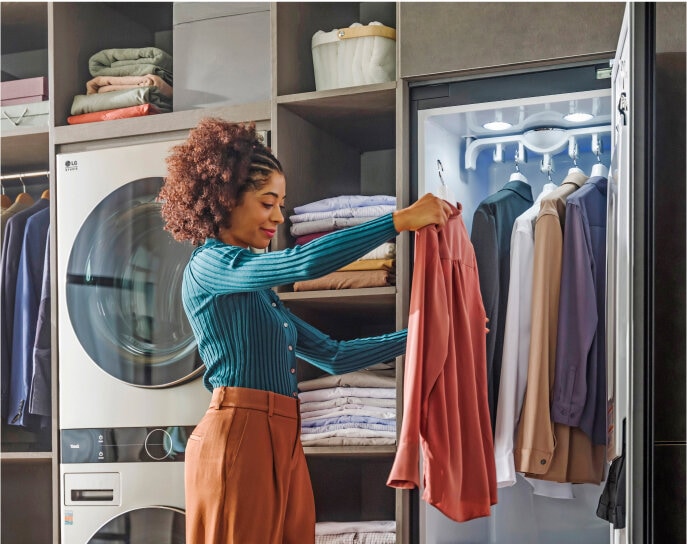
(106, 84)
(110, 115)
(88, 103)
(135, 61)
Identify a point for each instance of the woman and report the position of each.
(246, 476)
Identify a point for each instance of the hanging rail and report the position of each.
(42, 173)
(474, 147)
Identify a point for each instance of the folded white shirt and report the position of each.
(351, 410)
(325, 225)
(365, 211)
(313, 405)
(386, 251)
(358, 378)
(345, 201)
(351, 431)
(336, 392)
(338, 527)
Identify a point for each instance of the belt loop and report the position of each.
(270, 396)
(220, 398)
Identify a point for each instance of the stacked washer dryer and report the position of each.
(129, 372)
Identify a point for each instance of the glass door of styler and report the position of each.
(473, 135)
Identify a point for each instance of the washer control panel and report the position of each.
(124, 444)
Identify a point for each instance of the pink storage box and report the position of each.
(24, 91)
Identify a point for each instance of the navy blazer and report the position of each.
(492, 226)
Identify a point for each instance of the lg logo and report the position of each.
(70, 166)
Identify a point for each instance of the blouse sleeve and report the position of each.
(341, 356)
(225, 269)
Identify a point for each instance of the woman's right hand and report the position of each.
(428, 210)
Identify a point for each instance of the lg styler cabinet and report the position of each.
(606, 115)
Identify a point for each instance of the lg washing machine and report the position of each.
(130, 387)
(123, 485)
(127, 355)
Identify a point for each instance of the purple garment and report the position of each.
(40, 394)
(345, 201)
(29, 287)
(9, 268)
(580, 376)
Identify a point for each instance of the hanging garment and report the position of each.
(29, 287)
(16, 207)
(40, 395)
(516, 349)
(492, 226)
(9, 264)
(576, 461)
(446, 410)
(612, 505)
(580, 377)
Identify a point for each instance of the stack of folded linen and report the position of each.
(353, 409)
(375, 269)
(126, 83)
(355, 532)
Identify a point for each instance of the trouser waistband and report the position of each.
(255, 399)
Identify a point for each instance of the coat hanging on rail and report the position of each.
(492, 226)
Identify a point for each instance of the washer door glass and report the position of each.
(153, 525)
(124, 290)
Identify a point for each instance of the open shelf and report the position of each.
(347, 451)
(25, 149)
(362, 117)
(164, 122)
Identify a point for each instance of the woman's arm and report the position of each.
(228, 269)
(341, 356)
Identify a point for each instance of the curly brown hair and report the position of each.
(209, 174)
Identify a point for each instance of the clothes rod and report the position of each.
(26, 175)
(561, 138)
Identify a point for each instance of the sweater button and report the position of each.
(274, 304)
(290, 348)
(295, 393)
(293, 371)
(286, 324)
(543, 461)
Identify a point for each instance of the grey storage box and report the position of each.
(221, 53)
(34, 114)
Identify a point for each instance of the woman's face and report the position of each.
(254, 222)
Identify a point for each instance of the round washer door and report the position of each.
(124, 290)
(152, 525)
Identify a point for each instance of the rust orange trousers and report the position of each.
(247, 480)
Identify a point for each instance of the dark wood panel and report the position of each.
(440, 37)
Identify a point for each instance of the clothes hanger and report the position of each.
(573, 155)
(23, 197)
(517, 175)
(5, 201)
(599, 169)
(444, 190)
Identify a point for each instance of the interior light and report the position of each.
(578, 117)
(497, 125)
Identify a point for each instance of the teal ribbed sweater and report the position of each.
(248, 338)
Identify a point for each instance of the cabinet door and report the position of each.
(630, 269)
(441, 37)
